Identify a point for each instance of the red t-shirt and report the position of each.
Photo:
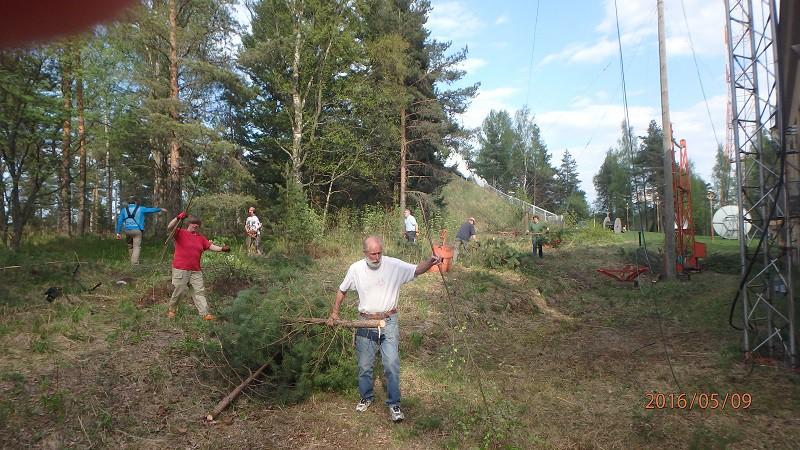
(189, 248)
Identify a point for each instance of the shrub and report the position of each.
(300, 225)
(496, 254)
(222, 213)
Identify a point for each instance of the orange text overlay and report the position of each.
(697, 400)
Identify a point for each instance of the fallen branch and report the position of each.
(235, 393)
(342, 323)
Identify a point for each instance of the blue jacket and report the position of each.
(137, 221)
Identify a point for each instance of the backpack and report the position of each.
(132, 216)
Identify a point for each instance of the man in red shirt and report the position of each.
(189, 247)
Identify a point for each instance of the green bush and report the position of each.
(496, 254)
(222, 213)
(300, 225)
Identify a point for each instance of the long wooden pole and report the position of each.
(342, 323)
(666, 126)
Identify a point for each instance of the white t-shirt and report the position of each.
(252, 223)
(378, 289)
(411, 223)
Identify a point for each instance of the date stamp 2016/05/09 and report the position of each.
(698, 400)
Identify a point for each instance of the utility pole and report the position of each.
(666, 125)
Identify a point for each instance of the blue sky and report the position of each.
(573, 82)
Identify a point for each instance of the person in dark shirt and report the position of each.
(465, 234)
(538, 231)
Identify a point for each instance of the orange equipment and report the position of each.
(687, 252)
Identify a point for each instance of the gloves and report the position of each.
(182, 215)
(226, 248)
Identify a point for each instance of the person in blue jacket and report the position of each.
(131, 220)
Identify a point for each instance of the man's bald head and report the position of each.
(373, 249)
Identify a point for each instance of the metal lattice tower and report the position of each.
(766, 290)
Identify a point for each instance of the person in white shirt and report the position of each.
(377, 279)
(410, 226)
(252, 228)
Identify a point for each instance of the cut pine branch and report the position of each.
(342, 323)
(225, 402)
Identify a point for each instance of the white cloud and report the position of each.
(638, 25)
(487, 100)
(588, 129)
(452, 21)
(501, 20)
(471, 64)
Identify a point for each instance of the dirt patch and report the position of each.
(155, 294)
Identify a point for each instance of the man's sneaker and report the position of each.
(170, 314)
(396, 414)
(363, 404)
(208, 317)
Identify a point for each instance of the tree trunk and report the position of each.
(3, 217)
(93, 224)
(403, 158)
(297, 106)
(65, 177)
(174, 174)
(109, 180)
(82, 187)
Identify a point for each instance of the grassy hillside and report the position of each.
(565, 357)
(463, 199)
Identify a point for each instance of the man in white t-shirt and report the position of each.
(410, 226)
(252, 228)
(377, 279)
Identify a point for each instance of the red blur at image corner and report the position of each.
(29, 22)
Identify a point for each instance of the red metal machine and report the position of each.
(688, 252)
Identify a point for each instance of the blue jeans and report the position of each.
(367, 344)
(537, 245)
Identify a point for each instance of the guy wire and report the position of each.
(630, 162)
(467, 351)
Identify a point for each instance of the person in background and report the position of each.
(465, 234)
(410, 226)
(377, 280)
(186, 270)
(252, 227)
(131, 220)
(538, 231)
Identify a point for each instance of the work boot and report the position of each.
(363, 404)
(208, 317)
(170, 314)
(396, 414)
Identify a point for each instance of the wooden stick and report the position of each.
(342, 323)
(225, 402)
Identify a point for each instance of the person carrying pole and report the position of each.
(377, 279)
(131, 218)
(186, 270)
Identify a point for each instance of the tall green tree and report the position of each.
(29, 125)
(496, 141)
(420, 74)
(179, 57)
(571, 198)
